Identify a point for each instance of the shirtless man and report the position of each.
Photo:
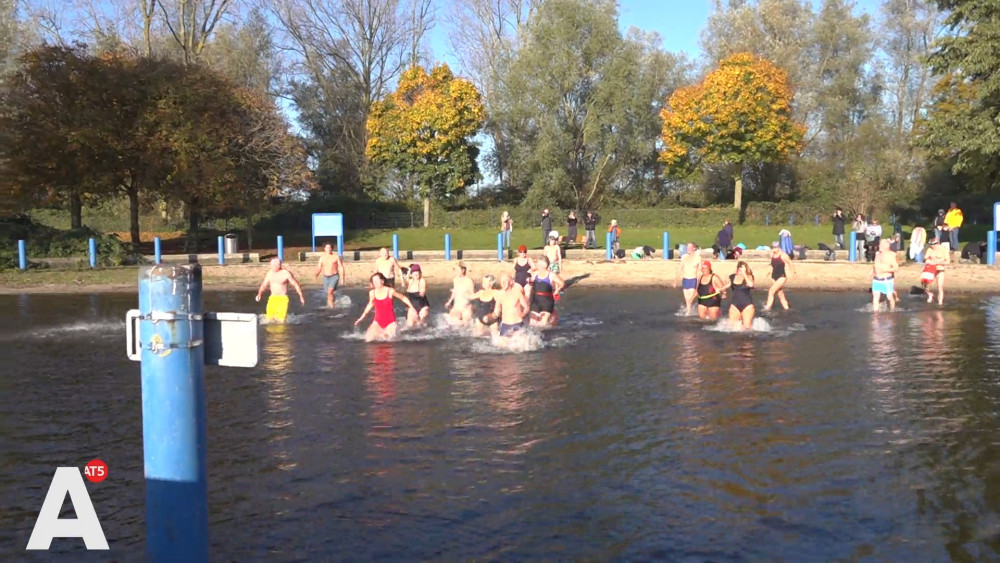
(689, 270)
(936, 257)
(278, 279)
(331, 266)
(511, 307)
(388, 266)
(553, 252)
(884, 269)
(463, 288)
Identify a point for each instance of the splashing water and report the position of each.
(725, 325)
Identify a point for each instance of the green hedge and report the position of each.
(48, 242)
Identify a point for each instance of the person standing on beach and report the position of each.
(388, 266)
(554, 254)
(688, 273)
(838, 221)
(546, 225)
(953, 222)
(724, 240)
(331, 266)
(882, 276)
(590, 224)
(859, 227)
(506, 226)
(571, 227)
(936, 258)
(278, 279)
(939, 226)
(616, 235)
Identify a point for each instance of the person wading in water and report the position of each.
(331, 266)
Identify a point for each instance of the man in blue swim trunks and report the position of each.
(511, 307)
(689, 271)
(331, 266)
(882, 276)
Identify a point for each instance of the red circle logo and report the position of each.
(96, 471)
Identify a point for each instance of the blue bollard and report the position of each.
(93, 252)
(22, 254)
(767, 220)
(666, 245)
(281, 248)
(852, 247)
(173, 412)
(222, 251)
(340, 246)
(500, 246)
(607, 252)
(157, 254)
(447, 246)
(395, 246)
(991, 248)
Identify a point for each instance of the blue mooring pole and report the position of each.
(340, 246)
(852, 247)
(157, 254)
(991, 248)
(173, 412)
(500, 246)
(92, 245)
(666, 245)
(281, 248)
(395, 246)
(222, 251)
(447, 246)
(607, 252)
(22, 254)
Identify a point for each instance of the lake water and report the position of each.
(626, 433)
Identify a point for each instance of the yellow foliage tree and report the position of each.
(423, 131)
(740, 114)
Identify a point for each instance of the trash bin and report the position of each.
(232, 243)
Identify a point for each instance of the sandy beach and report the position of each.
(826, 276)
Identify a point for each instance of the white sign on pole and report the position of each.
(996, 216)
(230, 339)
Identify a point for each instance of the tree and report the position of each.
(739, 115)
(423, 131)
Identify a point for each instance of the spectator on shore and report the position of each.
(506, 226)
(859, 227)
(616, 233)
(896, 244)
(723, 240)
(975, 250)
(590, 224)
(546, 226)
(838, 227)
(571, 226)
(953, 221)
(939, 227)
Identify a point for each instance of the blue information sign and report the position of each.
(328, 225)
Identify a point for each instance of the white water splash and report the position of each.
(725, 325)
(97, 328)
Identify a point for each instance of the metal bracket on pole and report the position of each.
(230, 339)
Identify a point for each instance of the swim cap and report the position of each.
(414, 267)
(707, 264)
(522, 248)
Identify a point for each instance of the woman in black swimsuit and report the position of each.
(484, 303)
(416, 291)
(741, 307)
(779, 260)
(711, 292)
(522, 270)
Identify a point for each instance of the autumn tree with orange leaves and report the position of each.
(423, 133)
(740, 115)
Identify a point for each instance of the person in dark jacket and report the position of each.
(838, 227)
(939, 225)
(571, 227)
(724, 239)
(975, 249)
(546, 226)
(590, 223)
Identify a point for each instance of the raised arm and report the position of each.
(401, 297)
(749, 280)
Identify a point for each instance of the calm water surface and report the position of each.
(629, 433)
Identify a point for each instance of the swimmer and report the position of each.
(883, 275)
(545, 287)
(741, 309)
(522, 270)
(380, 298)
(511, 307)
(711, 292)
(278, 279)
(779, 260)
(554, 254)
(388, 266)
(416, 292)
(689, 272)
(331, 266)
(936, 257)
(461, 295)
(485, 300)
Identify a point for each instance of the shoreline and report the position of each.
(657, 273)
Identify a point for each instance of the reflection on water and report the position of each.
(626, 433)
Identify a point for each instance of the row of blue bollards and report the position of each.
(22, 253)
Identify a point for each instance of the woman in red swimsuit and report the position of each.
(380, 298)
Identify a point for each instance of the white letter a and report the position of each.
(86, 525)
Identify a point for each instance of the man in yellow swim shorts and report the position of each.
(278, 279)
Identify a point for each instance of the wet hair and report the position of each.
(544, 258)
(490, 280)
(378, 275)
(746, 268)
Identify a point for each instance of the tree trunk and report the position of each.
(249, 231)
(427, 212)
(739, 192)
(133, 214)
(75, 211)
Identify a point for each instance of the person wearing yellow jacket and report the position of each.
(953, 221)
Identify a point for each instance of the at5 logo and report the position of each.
(85, 525)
